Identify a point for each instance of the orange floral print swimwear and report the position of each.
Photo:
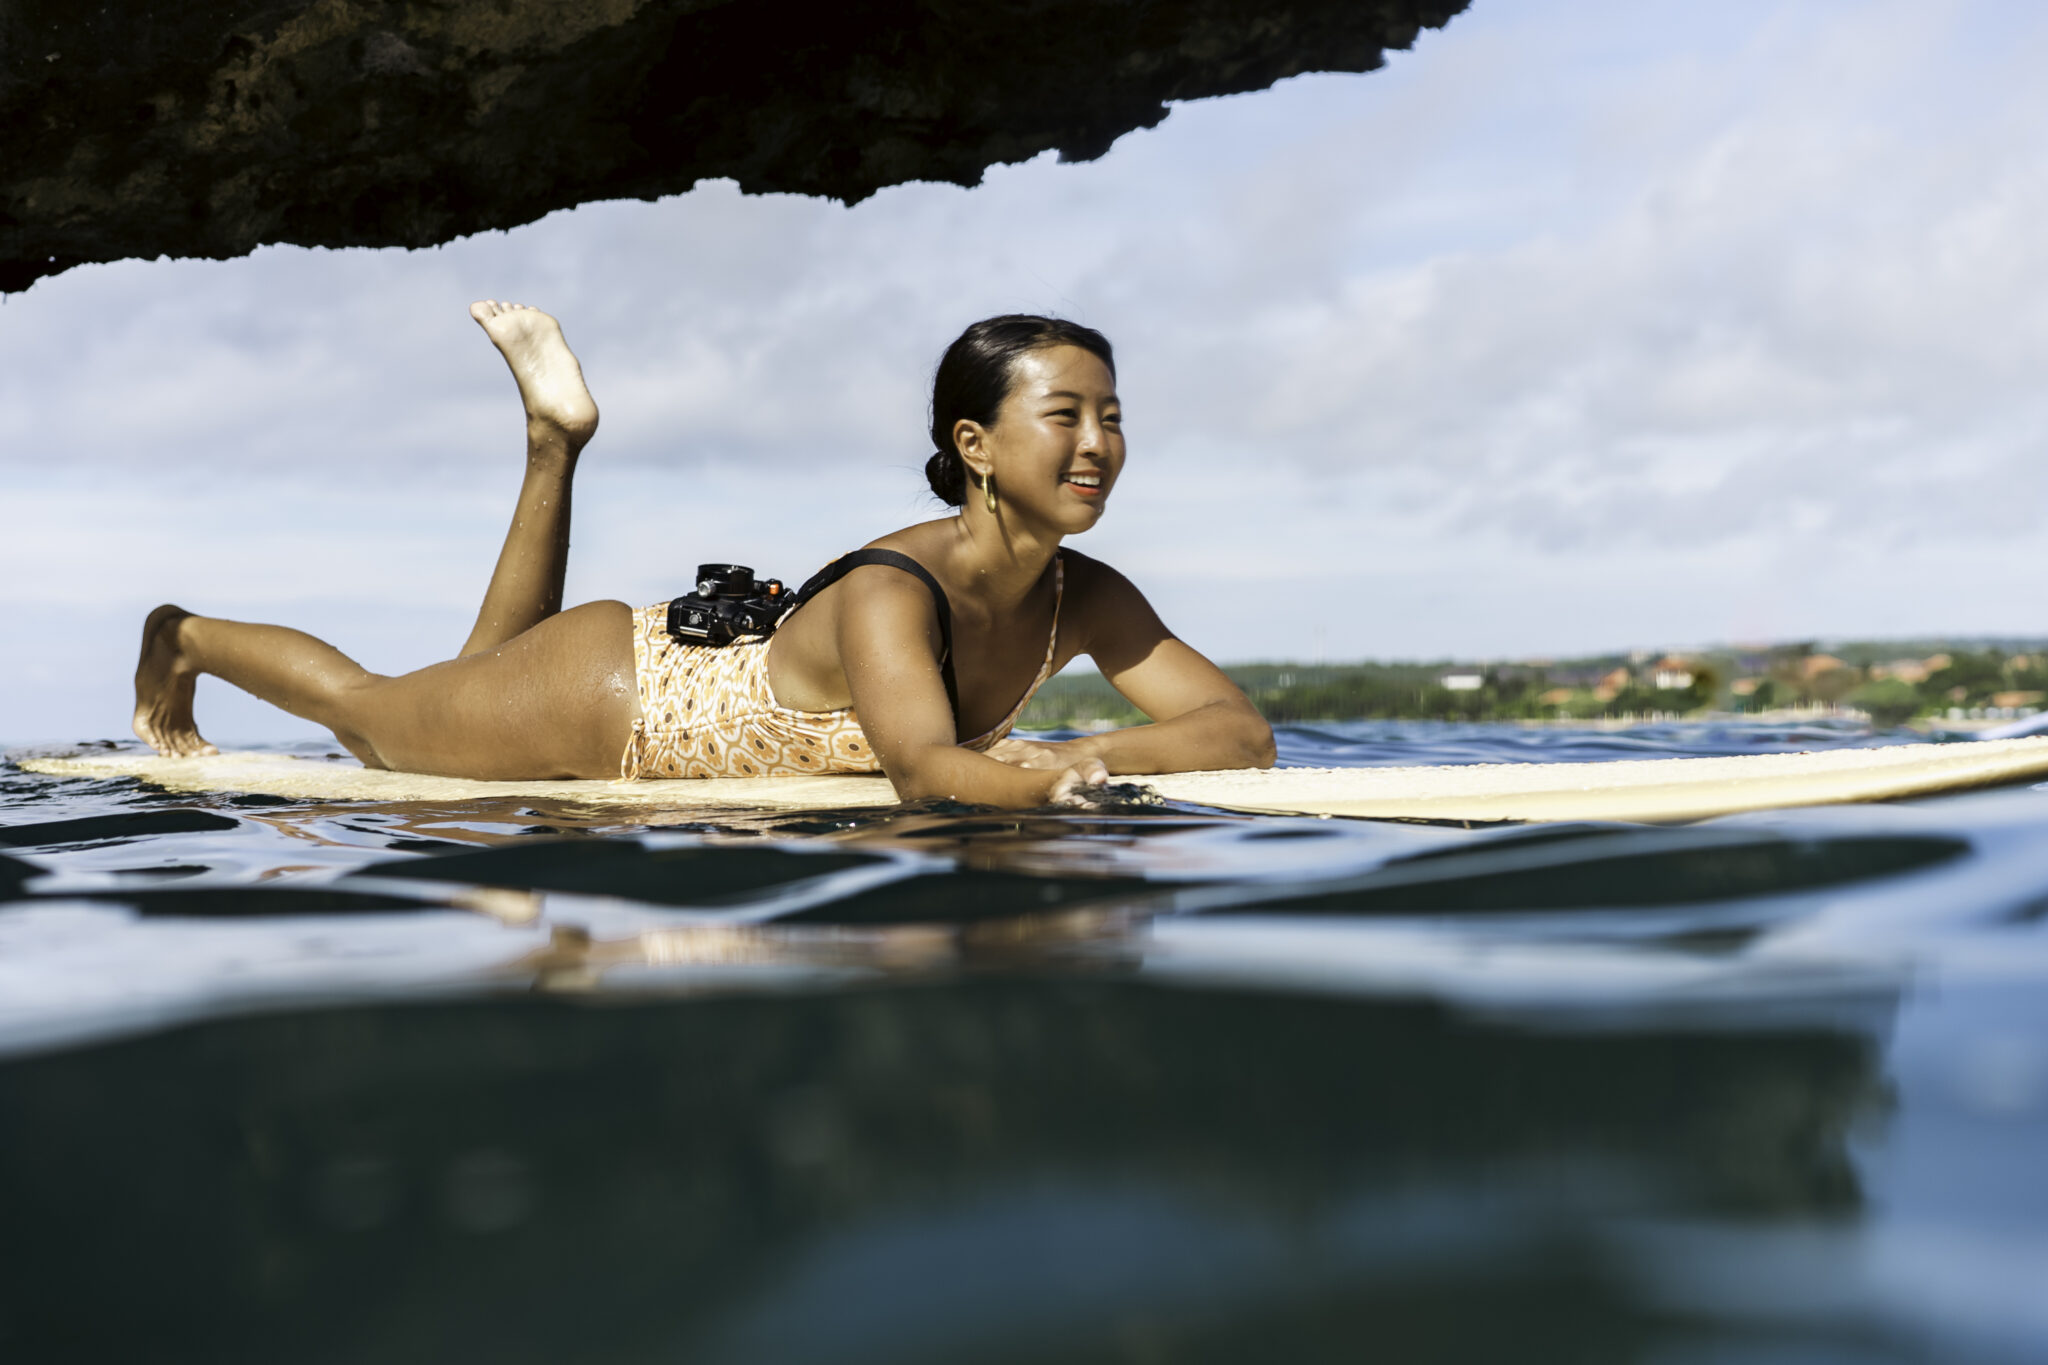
(708, 711)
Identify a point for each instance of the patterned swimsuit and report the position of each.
(707, 710)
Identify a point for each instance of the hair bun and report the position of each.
(947, 474)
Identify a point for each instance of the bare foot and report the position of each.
(550, 381)
(163, 689)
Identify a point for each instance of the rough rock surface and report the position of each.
(214, 126)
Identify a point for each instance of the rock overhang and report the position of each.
(210, 129)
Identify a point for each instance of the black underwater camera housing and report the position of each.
(729, 602)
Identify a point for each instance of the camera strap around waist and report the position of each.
(859, 559)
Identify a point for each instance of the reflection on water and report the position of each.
(1005, 1169)
(432, 1081)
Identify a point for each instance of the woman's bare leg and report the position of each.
(555, 701)
(526, 586)
(287, 668)
(537, 692)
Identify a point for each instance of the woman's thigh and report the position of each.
(557, 700)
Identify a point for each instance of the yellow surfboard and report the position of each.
(1650, 789)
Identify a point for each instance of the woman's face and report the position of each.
(1058, 442)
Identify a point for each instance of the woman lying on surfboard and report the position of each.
(914, 661)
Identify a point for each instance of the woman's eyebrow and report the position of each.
(1069, 393)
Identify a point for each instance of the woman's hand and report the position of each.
(1079, 785)
(1042, 755)
(1081, 776)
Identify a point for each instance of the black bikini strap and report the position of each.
(846, 564)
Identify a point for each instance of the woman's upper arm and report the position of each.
(1139, 656)
(888, 640)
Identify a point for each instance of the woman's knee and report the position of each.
(355, 708)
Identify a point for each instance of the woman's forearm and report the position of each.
(1223, 734)
(957, 774)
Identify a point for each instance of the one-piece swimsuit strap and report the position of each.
(859, 559)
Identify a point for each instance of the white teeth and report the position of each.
(1086, 480)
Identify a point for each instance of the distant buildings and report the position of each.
(1612, 685)
(1818, 665)
(1671, 674)
(1914, 671)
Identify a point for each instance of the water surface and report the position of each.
(293, 1080)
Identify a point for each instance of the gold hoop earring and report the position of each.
(988, 491)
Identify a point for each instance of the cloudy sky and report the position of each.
(1585, 326)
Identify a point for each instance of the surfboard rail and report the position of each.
(1658, 789)
(1661, 789)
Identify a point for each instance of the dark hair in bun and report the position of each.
(973, 379)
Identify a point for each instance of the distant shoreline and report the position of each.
(1883, 684)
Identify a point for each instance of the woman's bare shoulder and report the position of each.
(1088, 579)
(871, 588)
(1102, 608)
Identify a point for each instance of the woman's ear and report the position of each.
(971, 440)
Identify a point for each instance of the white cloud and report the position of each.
(1577, 326)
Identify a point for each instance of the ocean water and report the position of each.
(285, 1080)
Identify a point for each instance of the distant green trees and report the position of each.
(1293, 693)
(1975, 676)
(1884, 681)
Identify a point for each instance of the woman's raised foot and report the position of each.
(558, 402)
(164, 681)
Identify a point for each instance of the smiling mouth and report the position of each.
(1087, 485)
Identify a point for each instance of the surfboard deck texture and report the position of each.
(1649, 789)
